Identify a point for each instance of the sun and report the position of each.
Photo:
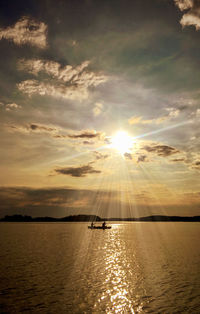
(122, 142)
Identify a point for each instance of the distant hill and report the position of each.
(88, 218)
(21, 218)
(157, 218)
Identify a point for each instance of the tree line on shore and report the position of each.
(94, 218)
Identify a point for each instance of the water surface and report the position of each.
(142, 267)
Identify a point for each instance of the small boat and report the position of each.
(99, 227)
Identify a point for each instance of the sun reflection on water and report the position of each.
(119, 278)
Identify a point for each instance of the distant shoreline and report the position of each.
(94, 218)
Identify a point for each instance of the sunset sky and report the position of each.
(100, 107)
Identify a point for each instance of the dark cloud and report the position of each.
(38, 127)
(142, 158)
(161, 150)
(196, 165)
(86, 134)
(128, 156)
(60, 136)
(178, 160)
(81, 171)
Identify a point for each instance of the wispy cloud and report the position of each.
(97, 110)
(70, 82)
(84, 137)
(66, 73)
(139, 120)
(192, 17)
(33, 127)
(172, 113)
(26, 31)
(31, 87)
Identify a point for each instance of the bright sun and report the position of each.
(122, 142)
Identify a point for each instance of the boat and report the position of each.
(99, 227)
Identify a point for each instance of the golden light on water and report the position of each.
(122, 142)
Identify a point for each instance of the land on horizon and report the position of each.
(88, 218)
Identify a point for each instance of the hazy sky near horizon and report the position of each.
(73, 74)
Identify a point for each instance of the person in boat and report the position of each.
(92, 224)
(104, 224)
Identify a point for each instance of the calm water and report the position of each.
(132, 268)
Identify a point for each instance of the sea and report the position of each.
(135, 267)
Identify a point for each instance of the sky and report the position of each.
(100, 107)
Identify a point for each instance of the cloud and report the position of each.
(192, 17)
(196, 165)
(35, 128)
(57, 132)
(172, 113)
(184, 4)
(128, 156)
(81, 171)
(139, 120)
(178, 160)
(97, 110)
(66, 73)
(88, 142)
(142, 158)
(10, 107)
(161, 150)
(31, 87)
(198, 113)
(40, 201)
(26, 31)
(90, 134)
(43, 128)
(100, 156)
(60, 202)
(70, 82)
